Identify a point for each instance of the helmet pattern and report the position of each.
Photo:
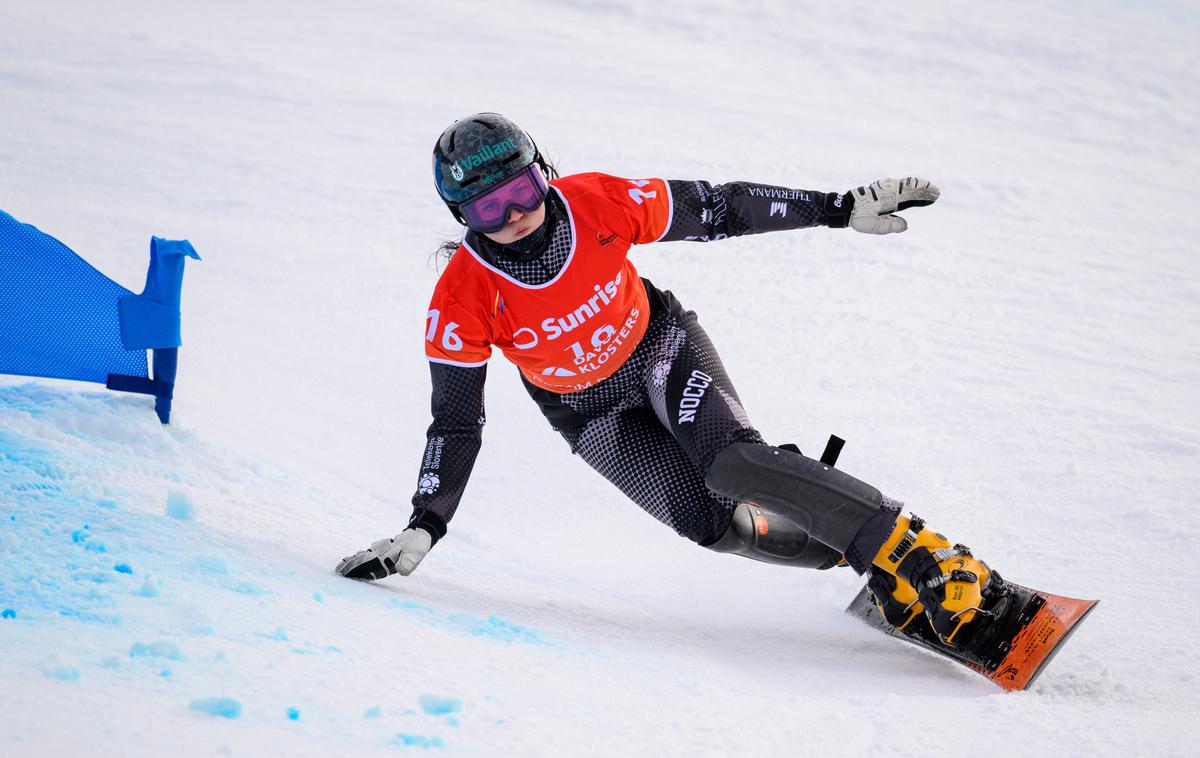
(477, 152)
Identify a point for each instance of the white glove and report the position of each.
(397, 555)
(875, 203)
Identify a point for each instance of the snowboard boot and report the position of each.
(896, 600)
(918, 569)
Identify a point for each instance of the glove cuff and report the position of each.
(837, 207)
(430, 522)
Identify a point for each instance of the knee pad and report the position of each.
(822, 501)
(759, 533)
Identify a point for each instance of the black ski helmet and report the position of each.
(476, 153)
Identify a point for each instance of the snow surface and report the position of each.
(1021, 367)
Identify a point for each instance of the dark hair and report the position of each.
(446, 250)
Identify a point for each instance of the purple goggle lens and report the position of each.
(524, 191)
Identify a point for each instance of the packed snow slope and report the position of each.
(1022, 367)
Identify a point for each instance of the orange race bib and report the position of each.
(576, 329)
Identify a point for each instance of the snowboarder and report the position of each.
(630, 379)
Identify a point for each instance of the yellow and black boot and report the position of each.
(948, 583)
(897, 601)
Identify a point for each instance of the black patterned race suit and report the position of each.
(654, 426)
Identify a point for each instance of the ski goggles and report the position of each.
(525, 191)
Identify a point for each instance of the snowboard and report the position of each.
(1031, 631)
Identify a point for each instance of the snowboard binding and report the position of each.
(984, 642)
(917, 571)
(944, 597)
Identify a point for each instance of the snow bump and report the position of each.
(417, 740)
(218, 707)
(440, 706)
(180, 507)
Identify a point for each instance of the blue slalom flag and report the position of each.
(61, 318)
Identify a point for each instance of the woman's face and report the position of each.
(520, 225)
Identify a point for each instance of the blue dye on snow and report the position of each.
(293, 713)
(410, 605)
(225, 707)
(180, 507)
(503, 630)
(416, 740)
(62, 672)
(494, 626)
(106, 503)
(211, 564)
(123, 568)
(79, 535)
(8, 613)
(90, 617)
(150, 588)
(318, 597)
(373, 713)
(439, 706)
(156, 649)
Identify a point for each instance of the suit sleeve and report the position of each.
(452, 443)
(703, 212)
(458, 346)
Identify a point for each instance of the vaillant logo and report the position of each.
(459, 168)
